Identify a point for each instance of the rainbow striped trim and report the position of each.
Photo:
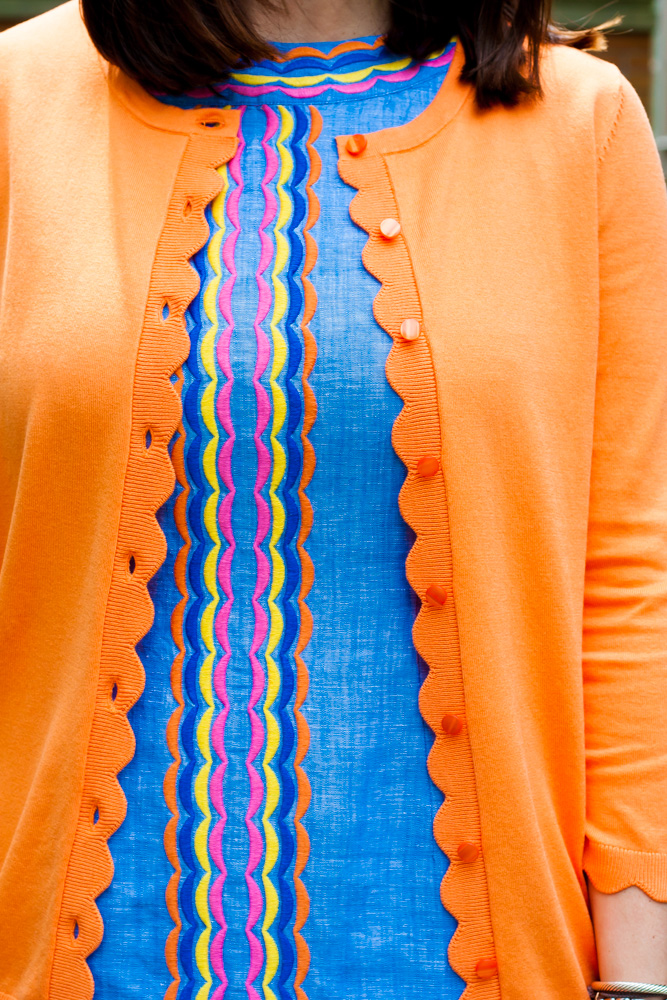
(278, 791)
(256, 899)
(303, 73)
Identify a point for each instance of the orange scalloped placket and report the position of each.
(423, 505)
(140, 551)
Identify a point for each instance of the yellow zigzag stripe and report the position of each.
(201, 784)
(277, 565)
(353, 76)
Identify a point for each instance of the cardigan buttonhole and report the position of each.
(132, 565)
(166, 309)
(149, 439)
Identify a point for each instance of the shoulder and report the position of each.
(44, 35)
(46, 55)
(584, 90)
(584, 72)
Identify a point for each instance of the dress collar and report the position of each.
(218, 121)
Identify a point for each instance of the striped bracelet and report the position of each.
(626, 991)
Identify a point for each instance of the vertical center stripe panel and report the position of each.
(210, 864)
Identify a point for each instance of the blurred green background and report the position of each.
(638, 47)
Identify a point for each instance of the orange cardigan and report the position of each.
(534, 253)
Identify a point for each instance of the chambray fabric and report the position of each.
(376, 926)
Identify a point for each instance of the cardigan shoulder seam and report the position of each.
(620, 97)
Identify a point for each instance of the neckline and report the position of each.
(216, 121)
(333, 73)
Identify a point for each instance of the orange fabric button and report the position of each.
(451, 725)
(436, 596)
(356, 144)
(468, 853)
(410, 329)
(486, 968)
(390, 228)
(428, 466)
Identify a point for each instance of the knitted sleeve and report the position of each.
(625, 605)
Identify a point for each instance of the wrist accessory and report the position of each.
(626, 991)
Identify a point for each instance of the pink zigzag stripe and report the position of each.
(403, 76)
(224, 573)
(263, 574)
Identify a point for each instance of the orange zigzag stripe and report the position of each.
(305, 50)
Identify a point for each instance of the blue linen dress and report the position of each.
(306, 865)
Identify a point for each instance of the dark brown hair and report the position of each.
(176, 45)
